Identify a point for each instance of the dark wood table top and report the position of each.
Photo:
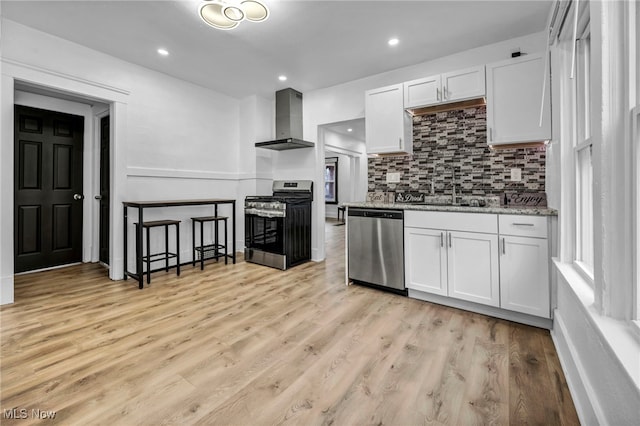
(169, 203)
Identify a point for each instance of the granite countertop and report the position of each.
(533, 211)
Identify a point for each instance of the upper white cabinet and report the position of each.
(514, 101)
(463, 84)
(422, 92)
(443, 88)
(388, 126)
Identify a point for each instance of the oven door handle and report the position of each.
(265, 213)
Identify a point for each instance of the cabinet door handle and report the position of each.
(522, 224)
(441, 239)
(400, 143)
(504, 248)
(444, 92)
(449, 239)
(490, 135)
(437, 94)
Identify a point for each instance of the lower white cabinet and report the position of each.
(473, 267)
(457, 264)
(425, 260)
(505, 265)
(524, 265)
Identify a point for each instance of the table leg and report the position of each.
(193, 246)
(216, 250)
(201, 245)
(139, 271)
(233, 218)
(124, 265)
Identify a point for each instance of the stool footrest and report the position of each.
(209, 247)
(159, 256)
(208, 218)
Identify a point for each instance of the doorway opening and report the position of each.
(345, 154)
(344, 144)
(48, 188)
(84, 215)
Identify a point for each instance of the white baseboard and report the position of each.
(588, 410)
(6, 290)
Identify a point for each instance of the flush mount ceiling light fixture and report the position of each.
(226, 15)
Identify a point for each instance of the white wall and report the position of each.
(170, 139)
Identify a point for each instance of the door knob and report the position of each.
(78, 196)
(98, 197)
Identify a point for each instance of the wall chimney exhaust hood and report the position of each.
(288, 122)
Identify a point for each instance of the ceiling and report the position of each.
(354, 129)
(315, 44)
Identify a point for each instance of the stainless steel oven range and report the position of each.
(278, 227)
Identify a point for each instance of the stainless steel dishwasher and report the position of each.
(376, 248)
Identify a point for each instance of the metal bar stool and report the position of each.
(204, 249)
(148, 258)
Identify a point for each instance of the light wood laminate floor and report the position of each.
(249, 345)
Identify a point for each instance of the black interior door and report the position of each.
(104, 189)
(47, 188)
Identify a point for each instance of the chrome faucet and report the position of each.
(453, 184)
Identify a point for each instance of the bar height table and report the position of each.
(142, 205)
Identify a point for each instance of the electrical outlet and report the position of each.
(393, 177)
(516, 174)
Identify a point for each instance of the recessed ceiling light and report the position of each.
(393, 41)
(349, 130)
(163, 52)
(282, 78)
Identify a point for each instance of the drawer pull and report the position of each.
(441, 240)
(523, 224)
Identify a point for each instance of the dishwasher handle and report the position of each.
(376, 213)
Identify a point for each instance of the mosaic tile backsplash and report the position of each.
(454, 143)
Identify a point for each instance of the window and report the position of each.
(582, 146)
(331, 180)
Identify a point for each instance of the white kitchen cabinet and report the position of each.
(463, 84)
(514, 100)
(452, 263)
(388, 126)
(472, 260)
(524, 264)
(443, 88)
(423, 92)
(426, 260)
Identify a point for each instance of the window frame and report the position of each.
(582, 140)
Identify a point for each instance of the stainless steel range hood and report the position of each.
(288, 122)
